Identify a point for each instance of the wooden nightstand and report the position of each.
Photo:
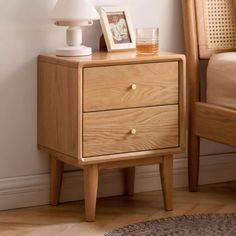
(111, 110)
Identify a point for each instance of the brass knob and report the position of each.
(133, 131)
(133, 86)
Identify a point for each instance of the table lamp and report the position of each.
(74, 14)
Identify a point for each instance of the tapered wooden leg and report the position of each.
(129, 180)
(166, 173)
(193, 162)
(56, 180)
(90, 191)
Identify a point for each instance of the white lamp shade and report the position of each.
(74, 10)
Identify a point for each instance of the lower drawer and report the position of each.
(131, 130)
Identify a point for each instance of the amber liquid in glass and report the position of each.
(147, 48)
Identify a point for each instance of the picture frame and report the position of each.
(117, 28)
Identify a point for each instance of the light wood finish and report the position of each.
(216, 25)
(195, 18)
(61, 156)
(182, 105)
(56, 180)
(110, 59)
(116, 129)
(128, 86)
(110, 132)
(129, 174)
(166, 172)
(112, 160)
(90, 191)
(193, 74)
(100, 59)
(80, 114)
(58, 108)
(130, 156)
(148, 160)
(115, 212)
(216, 123)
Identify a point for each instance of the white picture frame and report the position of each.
(117, 28)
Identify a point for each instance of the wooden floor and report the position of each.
(67, 219)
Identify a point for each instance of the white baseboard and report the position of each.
(34, 190)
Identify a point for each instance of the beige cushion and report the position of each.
(221, 80)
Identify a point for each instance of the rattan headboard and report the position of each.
(216, 26)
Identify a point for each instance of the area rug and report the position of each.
(193, 225)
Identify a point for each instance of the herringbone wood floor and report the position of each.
(67, 219)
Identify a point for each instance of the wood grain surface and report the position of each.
(193, 74)
(127, 86)
(104, 58)
(166, 173)
(58, 108)
(109, 132)
(114, 212)
(90, 191)
(216, 123)
(57, 168)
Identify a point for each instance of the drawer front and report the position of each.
(130, 130)
(129, 86)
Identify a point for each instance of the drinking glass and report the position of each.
(147, 40)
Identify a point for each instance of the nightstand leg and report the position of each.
(56, 180)
(166, 173)
(129, 180)
(90, 191)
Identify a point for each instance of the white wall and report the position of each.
(25, 32)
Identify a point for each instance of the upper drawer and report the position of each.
(127, 86)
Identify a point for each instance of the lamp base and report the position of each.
(74, 51)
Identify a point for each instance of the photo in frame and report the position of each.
(117, 28)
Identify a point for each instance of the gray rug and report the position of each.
(194, 225)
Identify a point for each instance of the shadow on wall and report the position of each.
(92, 34)
(18, 119)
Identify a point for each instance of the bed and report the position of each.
(221, 80)
(210, 33)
